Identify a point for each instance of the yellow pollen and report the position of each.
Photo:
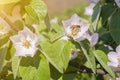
(118, 59)
(26, 43)
(2, 26)
(75, 29)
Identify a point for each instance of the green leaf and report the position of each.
(3, 52)
(102, 58)
(37, 9)
(68, 77)
(3, 39)
(15, 65)
(106, 12)
(95, 16)
(34, 68)
(8, 1)
(90, 58)
(57, 53)
(57, 36)
(47, 22)
(114, 25)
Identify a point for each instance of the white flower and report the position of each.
(25, 43)
(117, 78)
(89, 9)
(114, 57)
(73, 55)
(4, 27)
(118, 3)
(76, 27)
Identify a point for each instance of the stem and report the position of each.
(88, 59)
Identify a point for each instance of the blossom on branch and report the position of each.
(25, 43)
(114, 58)
(4, 27)
(76, 27)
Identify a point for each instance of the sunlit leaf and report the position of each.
(57, 53)
(102, 58)
(3, 52)
(37, 9)
(36, 68)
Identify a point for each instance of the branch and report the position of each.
(84, 69)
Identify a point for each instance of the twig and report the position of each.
(84, 69)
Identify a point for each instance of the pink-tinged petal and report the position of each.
(94, 39)
(74, 20)
(118, 3)
(89, 9)
(113, 64)
(118, 49)
(117, 78)
(113, 57)
(84, 27)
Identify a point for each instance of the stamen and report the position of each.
(75, 29)
(26, 44)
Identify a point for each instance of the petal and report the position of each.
(118, 49)
(118, 3)
(94, 39)
(113, 57)
(89, 9)
(72, 21)
(113, 64)
(15, 38)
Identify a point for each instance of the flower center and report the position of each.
(118, 59)
(2, 27)
(75, 29)
(26, 44)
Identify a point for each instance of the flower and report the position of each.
(114, 57)
(118, 3)
(93, 39)
(117, 78)
(89, 9)
(76, 27)
(25, 43)
(4, 27)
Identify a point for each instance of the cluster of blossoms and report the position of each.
(77, 28)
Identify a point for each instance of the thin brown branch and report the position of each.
(84, 69)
